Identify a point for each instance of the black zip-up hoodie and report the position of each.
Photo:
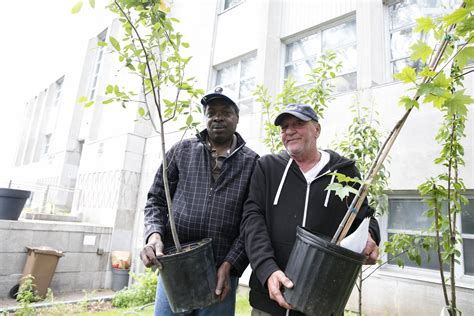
(276, 206)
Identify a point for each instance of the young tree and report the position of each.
(443, 193)
(151, 49)
(361, 143)
(316, 92)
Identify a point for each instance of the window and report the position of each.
(341, 39)
(402, 20)
(98, 61)
(240, 78)
(57, 97)
(407, 215)
(467, 234)
(47, 141)
(231, 3)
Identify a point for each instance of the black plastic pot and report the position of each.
(323, 274)
(189, 277)
(12, 202)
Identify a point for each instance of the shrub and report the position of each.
(141, 292)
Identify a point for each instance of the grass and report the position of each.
(242, 306)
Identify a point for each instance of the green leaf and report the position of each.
(109, 89)
(457, 104)
(408, 102)
(426, 72)
(189, 120)
(442, 81)
(114, 43)
(88, 104)
(340, 190)
(108, 101)
(456, 16)
(437, 101)
(407, 75)
(102, 44)
(76, 8)
(424, 24)
(141, 111)
(420, 50)
(464, 56)
(82, 99)
(185, 45)
(92, 3)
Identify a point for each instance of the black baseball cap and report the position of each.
(302, 111)
(220, 93)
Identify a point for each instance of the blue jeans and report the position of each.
(224, 308)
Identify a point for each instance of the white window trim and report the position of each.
(420, 273)
(98, 65)
(237, 60)
(222, 4)
(389, 61)
(320, 29)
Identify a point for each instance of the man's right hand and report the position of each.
(152, 250)
(274, 283)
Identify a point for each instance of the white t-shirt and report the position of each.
(313, 172)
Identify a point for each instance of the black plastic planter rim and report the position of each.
(195, 247)
(325, 244)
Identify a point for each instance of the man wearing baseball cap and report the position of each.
(209, 176)
(289, 190)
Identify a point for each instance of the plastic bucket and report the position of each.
(189, 277)
(323, 274)
(12, 202)
(119, 278)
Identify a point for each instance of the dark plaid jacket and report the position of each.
(203, 207)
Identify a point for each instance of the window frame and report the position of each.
(46, 143)
(415, 271)
(223, 9)
(351, 17)
(98, 65)
(57, 95)
(237, 81)
(390, 62)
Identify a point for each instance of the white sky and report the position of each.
(38, 39)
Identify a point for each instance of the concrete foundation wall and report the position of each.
(389, 293)
(85, 265)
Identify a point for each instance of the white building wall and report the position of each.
(120, 158)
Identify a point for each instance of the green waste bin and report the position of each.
(41, 264)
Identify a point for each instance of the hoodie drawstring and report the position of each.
(277, 196)
(329, 191)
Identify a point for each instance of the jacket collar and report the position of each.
(202, 136)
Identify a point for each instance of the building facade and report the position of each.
(107, 157)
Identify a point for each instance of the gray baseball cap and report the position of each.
(302, 111)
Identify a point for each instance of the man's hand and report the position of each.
(223, 280)
(274, 283)
(371, 251)
(152, 250)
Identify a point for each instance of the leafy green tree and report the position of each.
(151, 49)
(361, 143)
(316, 92)
(443, 193)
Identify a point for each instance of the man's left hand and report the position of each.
(371, 251)
(223, 280)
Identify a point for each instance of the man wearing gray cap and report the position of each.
(288, 190)
(209, 177)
